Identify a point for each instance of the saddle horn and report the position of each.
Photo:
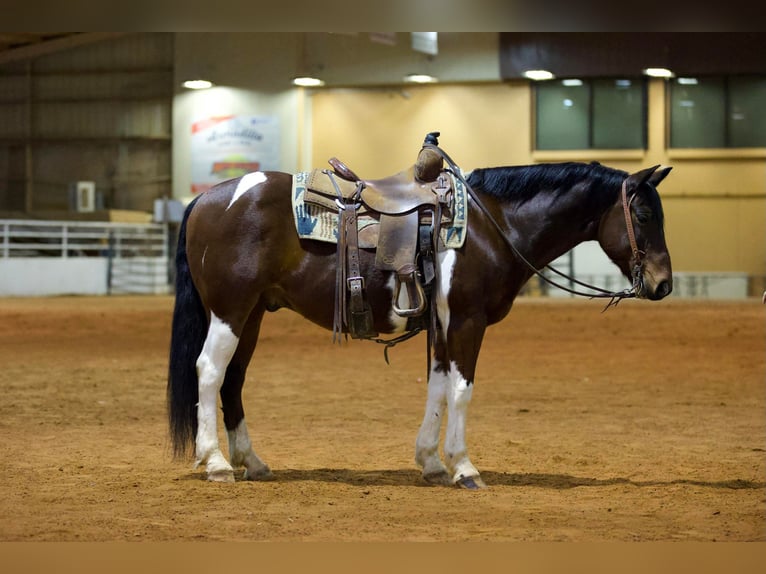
(342, 169)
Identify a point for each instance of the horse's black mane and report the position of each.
(521, 183)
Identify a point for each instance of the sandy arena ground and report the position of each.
(645, 423)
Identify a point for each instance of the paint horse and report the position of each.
(239, 256)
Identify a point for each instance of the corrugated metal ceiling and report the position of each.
(15, 46)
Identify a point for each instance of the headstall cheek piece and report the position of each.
(638, 255)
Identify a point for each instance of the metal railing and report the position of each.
(34, 238)
(137, 253)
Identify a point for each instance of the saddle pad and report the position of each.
(313, 222)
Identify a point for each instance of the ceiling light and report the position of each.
(197, 84)
(308, 82)
(688, 81)
(571, 82)
(658, 72)
(420, 79)
(538, 75)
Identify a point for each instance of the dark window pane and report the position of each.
(747, 116)
(697, 113)
(562, 116)
(618, 114)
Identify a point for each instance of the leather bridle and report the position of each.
(638, 255)
(636, 290)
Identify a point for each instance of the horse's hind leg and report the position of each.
(241, 451)
(220, 346)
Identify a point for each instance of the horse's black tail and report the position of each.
(188, 334)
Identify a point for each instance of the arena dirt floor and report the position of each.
(644, 423)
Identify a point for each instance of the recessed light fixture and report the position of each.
(420, 79)
(688, 81)
(308, 82)
(197, 84)
(571, 82)
(658, 72)
(538, 75)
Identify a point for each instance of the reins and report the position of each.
(614, 296)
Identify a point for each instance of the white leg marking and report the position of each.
(455, 451)
(241, 453)
(247, 182)
(427, 443)
(217, 351)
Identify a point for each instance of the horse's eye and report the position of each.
(643, 216)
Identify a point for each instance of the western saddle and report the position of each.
(411, 206)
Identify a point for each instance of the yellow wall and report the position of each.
(379, 131)
(715, 201)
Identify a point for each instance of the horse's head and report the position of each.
(632, 234)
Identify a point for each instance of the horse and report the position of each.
(239, 256)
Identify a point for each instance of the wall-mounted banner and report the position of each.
(224, 147)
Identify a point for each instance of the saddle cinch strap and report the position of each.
(406, 209)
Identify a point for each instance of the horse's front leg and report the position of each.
(427, 443)
(463, 472)
(453, 391)
(460, 352)
(220, 345)
(450, 385)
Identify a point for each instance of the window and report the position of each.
(717, 112)
(590, 114)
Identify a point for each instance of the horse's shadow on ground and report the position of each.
(412, 477)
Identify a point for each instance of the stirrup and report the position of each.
(408, 274)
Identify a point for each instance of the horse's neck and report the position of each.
(546, 228)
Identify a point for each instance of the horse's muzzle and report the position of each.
(656, 280)
(661, 291)
(645, 290)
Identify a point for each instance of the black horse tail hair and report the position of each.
(187, 337)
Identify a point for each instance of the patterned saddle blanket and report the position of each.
(320, 224)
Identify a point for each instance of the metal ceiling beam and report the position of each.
(42, 48)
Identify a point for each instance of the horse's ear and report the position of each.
(635, 180)
(659, 175)
(642, 176)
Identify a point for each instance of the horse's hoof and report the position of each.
(439, 478)
(221, 476)
(471, 482)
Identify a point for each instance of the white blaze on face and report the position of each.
(247, 182)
